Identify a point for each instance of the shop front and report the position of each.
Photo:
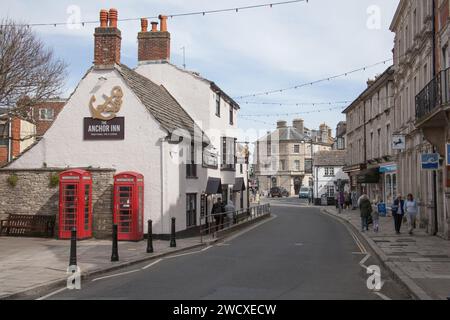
(388, 174)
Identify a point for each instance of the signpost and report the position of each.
(398, 142)
(430, 161)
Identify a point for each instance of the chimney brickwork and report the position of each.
(154, 45)
(108, 40)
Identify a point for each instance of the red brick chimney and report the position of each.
(107, 40)
(154, 45)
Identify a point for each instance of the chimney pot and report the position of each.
(103, 18)
(113, 16)
(154, 26)
(144, 25)
(163, 20)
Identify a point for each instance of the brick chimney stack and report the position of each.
(154, 45)
(107, 40)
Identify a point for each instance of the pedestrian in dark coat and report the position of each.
(398, 211)
(218, 210)
(365, 207)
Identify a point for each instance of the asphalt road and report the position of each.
(300, 254)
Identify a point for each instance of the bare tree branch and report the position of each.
(29, 72)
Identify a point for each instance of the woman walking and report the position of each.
(410, 208)
(365, 207)
(398, 211)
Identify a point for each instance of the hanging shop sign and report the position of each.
(110, 106)
(430, 161)
(104, 124)
(398, 142)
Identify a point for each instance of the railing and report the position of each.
(435, 94)
(213, 223)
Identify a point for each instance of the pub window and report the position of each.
(218, 105)
(46, 114)
(231, 116)
(191, 210)
(191, 166)
(228, 153)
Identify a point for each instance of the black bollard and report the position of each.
(150, 237)
(115, 248)
(173, 242)
(73, 247)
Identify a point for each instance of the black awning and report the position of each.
(214, 186)
(369, 176)
(239, 185)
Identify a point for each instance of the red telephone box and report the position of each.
(129, 205)
(75, 203)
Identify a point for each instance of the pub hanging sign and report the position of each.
(104, 124)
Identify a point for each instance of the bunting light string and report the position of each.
(298, 104)
(290, 113)
(259, 121)
(175, 15)
(327, 79)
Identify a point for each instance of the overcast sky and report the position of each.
(246, 52)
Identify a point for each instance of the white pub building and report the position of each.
(156, 121)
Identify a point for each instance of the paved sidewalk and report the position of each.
(28, 264)
(420, 261)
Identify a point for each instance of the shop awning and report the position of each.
(214, 186)
(369, 176)
(239, 185)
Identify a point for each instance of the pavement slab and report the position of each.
(422, 258)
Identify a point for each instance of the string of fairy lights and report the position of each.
(174, 15)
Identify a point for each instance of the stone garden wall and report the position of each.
(34, 194)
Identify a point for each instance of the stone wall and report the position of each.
(34, 195)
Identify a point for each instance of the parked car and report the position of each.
(284, 192)
(276, 192)
(304, 193)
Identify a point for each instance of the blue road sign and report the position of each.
(447, 152)
(430, 161)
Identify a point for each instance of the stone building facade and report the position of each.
(413, 70)
(370, 159)
(284, 156)
(34, 193)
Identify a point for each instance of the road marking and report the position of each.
(151, 264)
(274, 216)
(382, 296)
(51, 294)
(116, 275)
(299, 244)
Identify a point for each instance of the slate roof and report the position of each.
(330, 158)
(158, 101)
(213, 85)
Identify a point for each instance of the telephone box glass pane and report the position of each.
(69, 207)
(140, 209)
(86, 206)
(125, 209)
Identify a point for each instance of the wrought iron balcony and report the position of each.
(435, 94)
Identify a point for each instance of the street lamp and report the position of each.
(312, 164)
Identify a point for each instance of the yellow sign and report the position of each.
(109, 108)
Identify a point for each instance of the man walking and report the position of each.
(365, 207)
(398, 211)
